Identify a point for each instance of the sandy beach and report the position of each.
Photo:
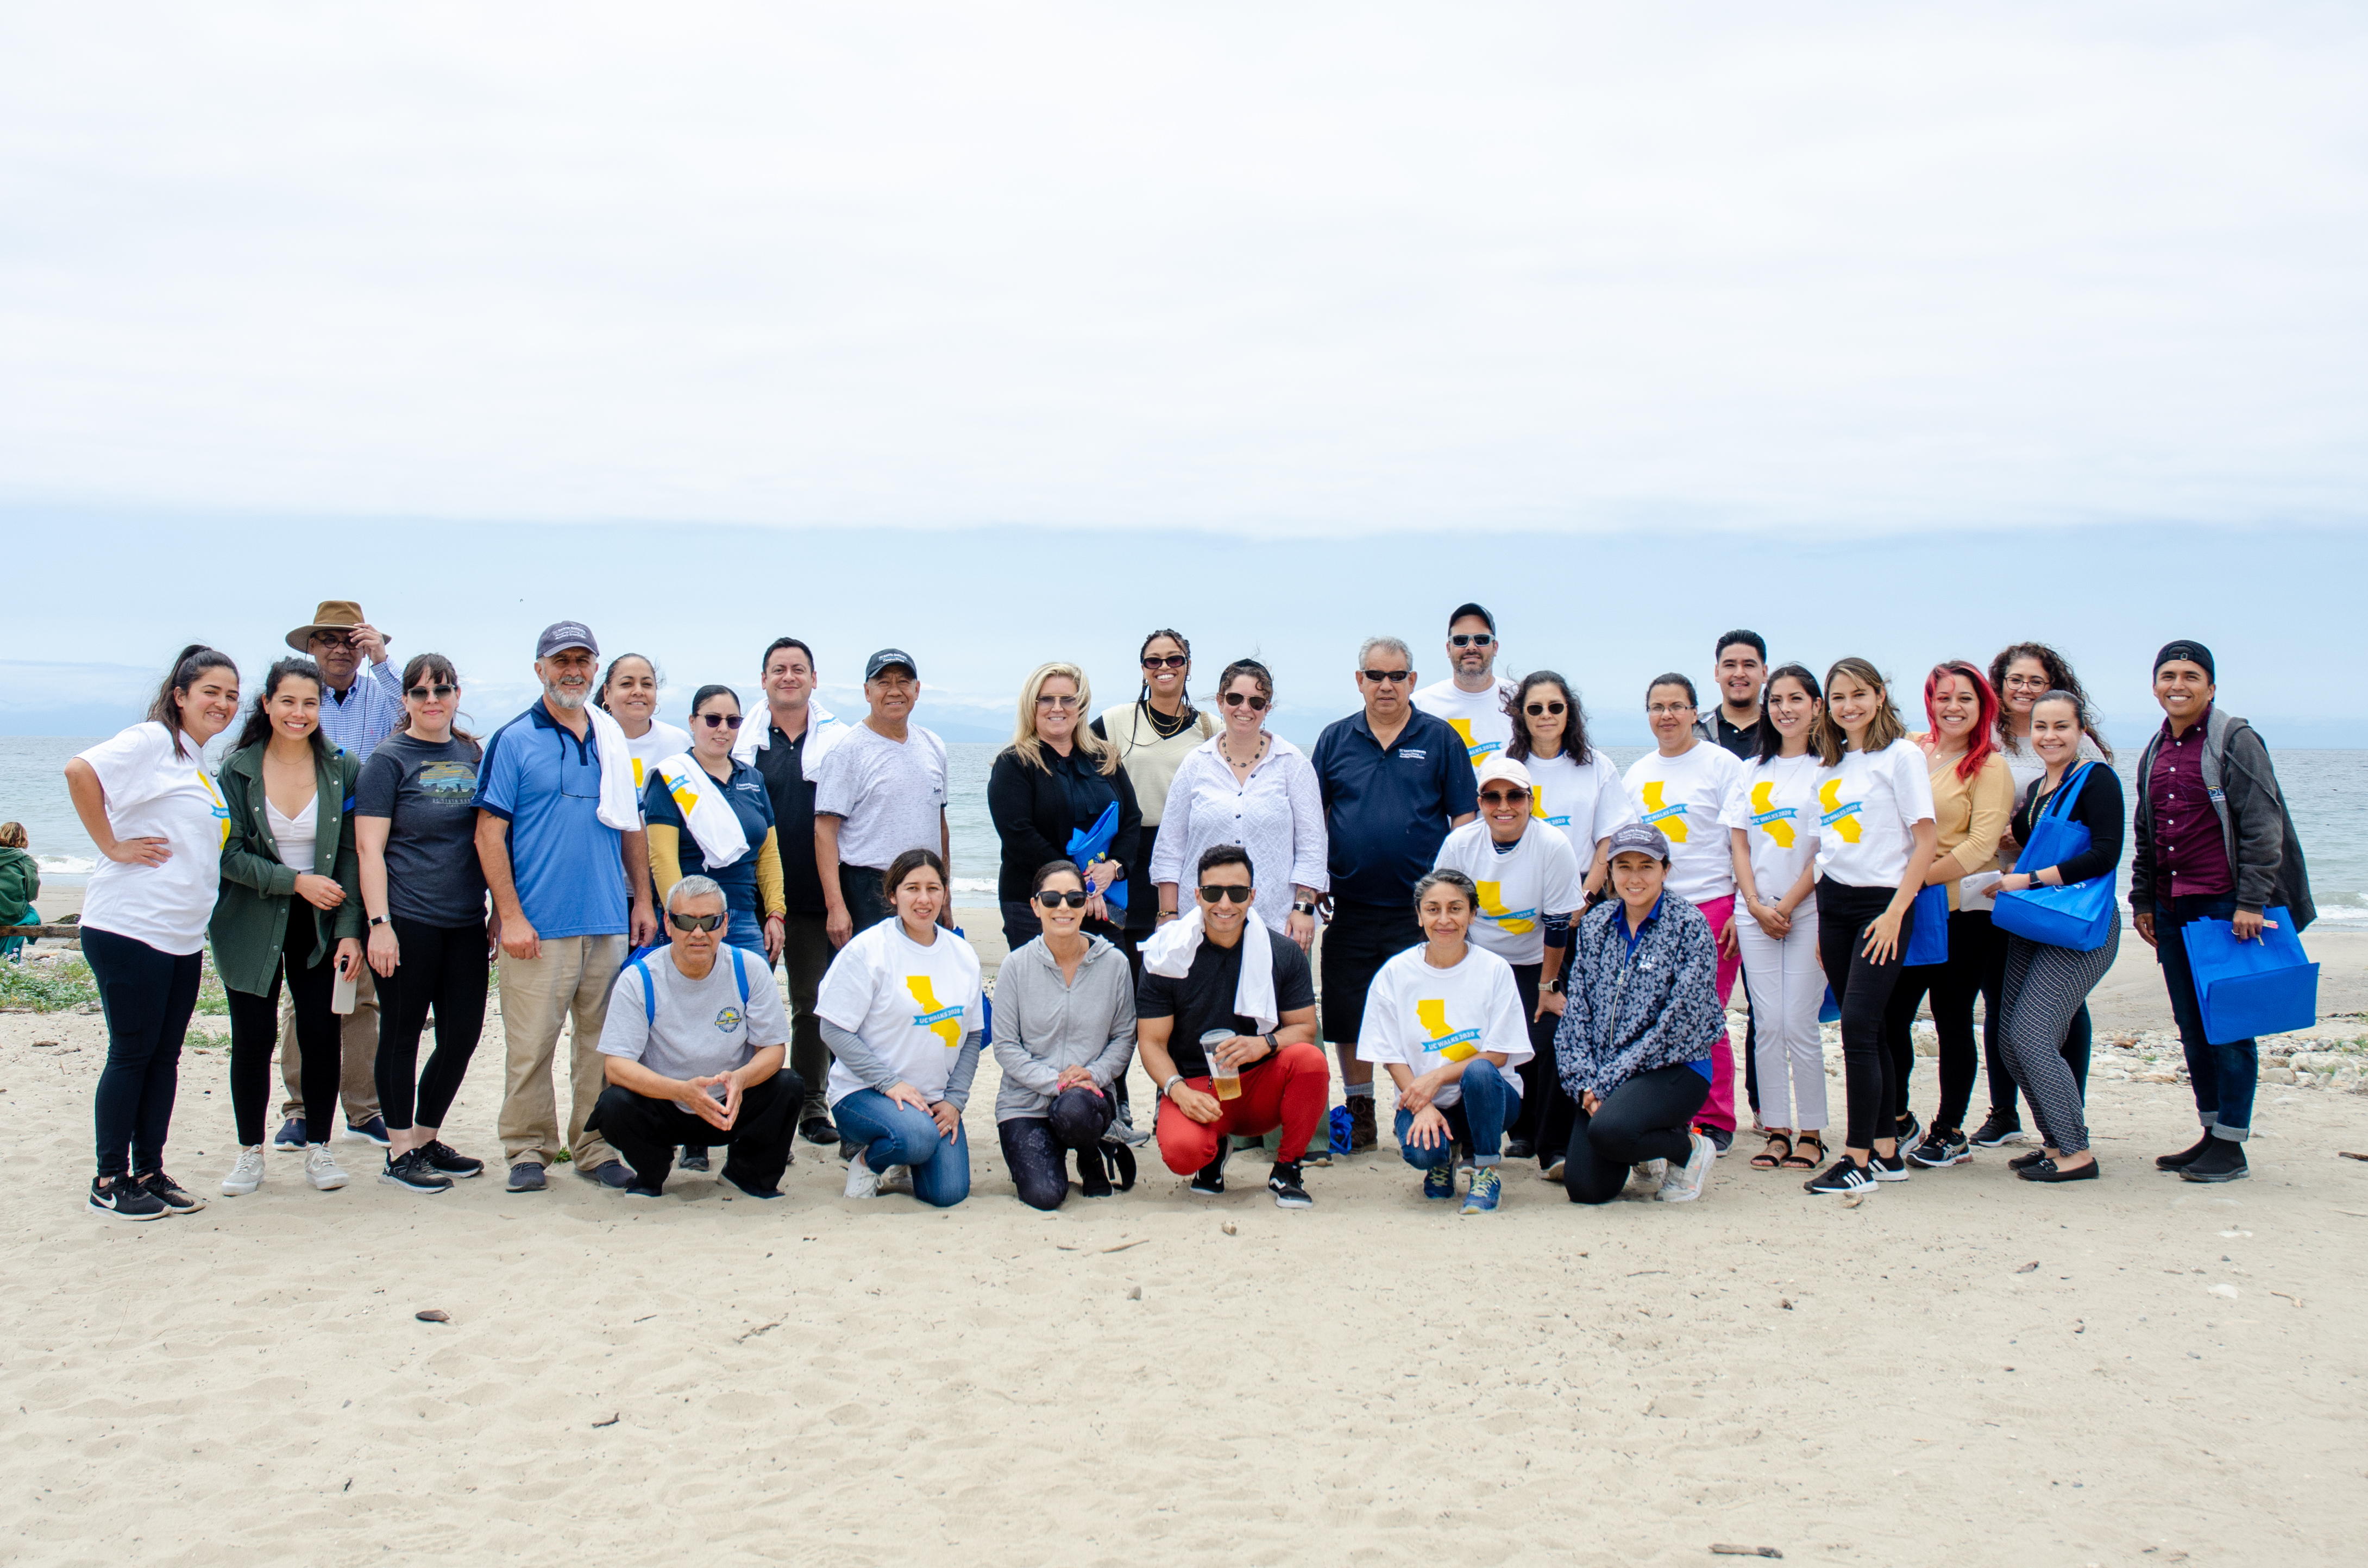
(2138, 1370)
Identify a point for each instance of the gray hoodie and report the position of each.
(1042, 1024)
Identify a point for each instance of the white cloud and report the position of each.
(1312, 269)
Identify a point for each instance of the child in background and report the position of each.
(21, 884)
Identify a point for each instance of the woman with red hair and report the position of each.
(1973, 800)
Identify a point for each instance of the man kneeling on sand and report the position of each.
(693, 1049)
(1225, 1025)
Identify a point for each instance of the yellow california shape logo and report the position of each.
(1764, 813)
(1492, 904)
(1456, 1045)
(943, 1022)
(1670, 820)
(1842, 819)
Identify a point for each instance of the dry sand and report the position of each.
(2138, 1370)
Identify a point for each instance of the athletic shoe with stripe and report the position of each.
(1839, 1179)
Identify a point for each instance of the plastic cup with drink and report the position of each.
(1224, 1077)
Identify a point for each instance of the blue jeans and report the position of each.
(2222, 1076)
(895, 1134)
(1477, 1118)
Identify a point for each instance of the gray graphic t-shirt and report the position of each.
(425, 790)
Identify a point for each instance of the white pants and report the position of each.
(1786, 983)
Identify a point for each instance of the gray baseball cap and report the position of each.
(1635, 838)
(566, 634)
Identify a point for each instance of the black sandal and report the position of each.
(1808, 1153)
(1768, 1159)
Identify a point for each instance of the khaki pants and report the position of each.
(570, 980)
(358, 1057)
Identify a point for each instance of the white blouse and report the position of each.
(1277, 815)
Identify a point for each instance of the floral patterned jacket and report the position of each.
(1633, 1010)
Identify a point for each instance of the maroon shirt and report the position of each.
(2190, 848)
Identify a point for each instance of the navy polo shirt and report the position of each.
(1387, 812)
(568, 865)
(753, 809)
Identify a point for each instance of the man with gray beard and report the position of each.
(563, 909)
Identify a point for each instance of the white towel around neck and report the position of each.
(823, 732)
(621, 804)
(712, 820)
(1169, 953)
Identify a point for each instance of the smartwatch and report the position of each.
(377, 920)
(1302, 909)
(1273, 1046)
(1555, 986)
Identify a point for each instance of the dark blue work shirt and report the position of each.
(1388, 812)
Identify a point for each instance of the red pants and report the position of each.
(1289, 1092)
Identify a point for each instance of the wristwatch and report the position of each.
(378, 920)
(1302, 909)
(1273, 1046)
(1555, 986)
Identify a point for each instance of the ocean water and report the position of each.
(2325, 791)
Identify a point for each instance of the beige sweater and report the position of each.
(1151, 762)
(1970, 814)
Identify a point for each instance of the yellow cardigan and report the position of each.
(1971, 814)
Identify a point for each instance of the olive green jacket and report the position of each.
(250, 923)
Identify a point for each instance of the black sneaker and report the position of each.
(124, 1199)
(1285, 1186)
(1886, 1167)
(817, 1130)
(1994, 1133)
(1910, 1132)
(445, 1160)
(1519, 1149)
(2225, 1160)
(694, 1157)
(1720, 1138)
(2185, 1157)
(1941, 1150)
(1211, 1181)
(1840, 1178)
(410, 1170)
(169, 1193)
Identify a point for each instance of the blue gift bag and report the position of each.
(2264, 986)
(1087, 845)
(1829, 1011)
(1928, 937)
(2078, 915)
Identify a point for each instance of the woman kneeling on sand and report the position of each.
(1064, 1033)
(1642, 1018)
(899, 1009)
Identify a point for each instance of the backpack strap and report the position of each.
(740, 973)
(649, 993)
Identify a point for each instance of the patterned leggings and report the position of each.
(2044, 987)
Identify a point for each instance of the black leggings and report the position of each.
(148, 995)
(443, 966)
(1863, 988)
(2074, 1050)
(1036, 1148)
(255, 1029)
(1545, 1112)
(1953, 984)
(1650, 1116)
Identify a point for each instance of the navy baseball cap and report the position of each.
(566, 634)
(888, 659)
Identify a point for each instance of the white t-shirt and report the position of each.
(1586, 800)
(1539, 876)
(1775, 802)
(1865, 809)
(151, 793)
(656, 743)
(1478, 716)
(1423, 1017)
(1685, 797)
(915, 1006)
(891, 795)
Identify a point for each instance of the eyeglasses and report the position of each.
(1212, 892)
(1503, 797)
(718, 721)
(1165, 661)
(2037, 682)
(422, 693)
(696, 922)
(1235, 699)
(1379, 675)
(1053, 898)
(1472, 639)
(1048, 700)
(1539, 710)
(1665, 709)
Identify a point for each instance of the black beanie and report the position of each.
(2194, 652)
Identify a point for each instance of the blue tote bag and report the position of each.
(2078, 915)
(1927, 935)
(1087, 845)
(2264, 986)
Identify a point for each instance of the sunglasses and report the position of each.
(1503, 797)
(1379, 675)
(718, 721)
(1053, 898)
(422, 693)
(1213, 893)
(1055, 700)
(1540, 709)
(1165, 661)
(1472, 639)
(696, 922)
(1235, 699)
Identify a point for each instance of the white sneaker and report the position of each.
(862, 1181)
(897, 1178)
(1684, 1183)
(321, 1168)
(246, 1175)
(1650, 1172)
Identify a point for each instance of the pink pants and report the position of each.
(1719, 1109)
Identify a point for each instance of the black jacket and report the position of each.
(1035, 809)
(2265, 854)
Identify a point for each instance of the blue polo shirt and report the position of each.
(568, 865)
(1387, 812)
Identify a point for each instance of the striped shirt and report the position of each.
(367, 713)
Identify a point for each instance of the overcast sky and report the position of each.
(1105, 300)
